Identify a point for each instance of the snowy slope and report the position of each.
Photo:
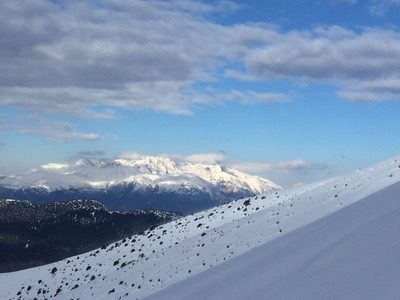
(267, 232)
(350, 254)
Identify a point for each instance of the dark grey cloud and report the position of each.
(81, 57)
(87, 59)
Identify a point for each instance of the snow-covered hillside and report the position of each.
(335, 239)
(143, 182)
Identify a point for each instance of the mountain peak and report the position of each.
(216, 248)
(145, 170)
(137, 182)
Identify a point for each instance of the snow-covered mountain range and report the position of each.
(143, 182)
(334, 239)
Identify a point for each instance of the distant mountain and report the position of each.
(145, 182)
(32, 235)
(333, 239)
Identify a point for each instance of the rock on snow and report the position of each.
(335, 239)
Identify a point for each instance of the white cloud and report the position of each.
(206, 157)
(380, 7)
(287, 173)
(54, 166)
(53, 130)
(345, 58)
(373, 90)
(89, 154)
(251, 97)
(210, 157)
(351, 2)
(287, 166)
(130, 155)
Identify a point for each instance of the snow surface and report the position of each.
(146, 171)
(350, 254)
(335, 239)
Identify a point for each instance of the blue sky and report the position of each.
(291, 90)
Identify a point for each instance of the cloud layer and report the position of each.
(380, 7)
(286, 166)
(87, 59)
(366, 65)
(287, 173)
(81, 58)
(52, 130)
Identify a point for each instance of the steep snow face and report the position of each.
(142, 265)
(144, 171)
(350, 254)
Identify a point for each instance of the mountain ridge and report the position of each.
(141, 183)
(36, 234)
(145, 264)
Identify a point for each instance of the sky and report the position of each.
(294, 91)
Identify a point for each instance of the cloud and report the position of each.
(53, 130)
(251, 97)
(87, 59)
(287, 173)
(206, 157)
(210, 157)
(376, 7)
(365, 65)
(380, 7)
(195, 7)
(350, 2)
(286, 166)
(90, 153)
(213, 96)
(130, 155)
(238, 75)
(373, 90)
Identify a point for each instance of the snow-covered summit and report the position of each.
(139, 182)
(300, 243)
(145, 170)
